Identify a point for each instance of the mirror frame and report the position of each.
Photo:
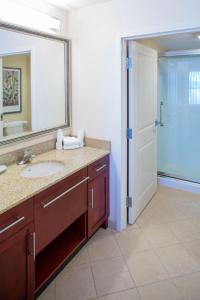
(24, 30)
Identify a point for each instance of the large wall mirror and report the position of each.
(34, 76)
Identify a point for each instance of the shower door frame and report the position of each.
(125, 110)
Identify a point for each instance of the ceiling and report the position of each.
(73, 4)
(181, 41)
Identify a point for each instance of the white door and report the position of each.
(1, 97)
(142, 175)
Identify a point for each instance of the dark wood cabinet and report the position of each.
(39, 236)
(17, 266)
(98, 195)
(58, 207)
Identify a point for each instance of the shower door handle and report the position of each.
(161, 116)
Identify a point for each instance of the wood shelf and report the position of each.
(49, 260)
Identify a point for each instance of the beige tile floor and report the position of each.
(158, 258)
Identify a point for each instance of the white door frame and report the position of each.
(124, 106)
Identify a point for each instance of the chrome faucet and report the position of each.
(27, 158)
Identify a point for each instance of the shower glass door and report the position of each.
(179, 113)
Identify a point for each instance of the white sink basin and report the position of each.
(42, 169)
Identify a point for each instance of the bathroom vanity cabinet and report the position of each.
(98, 193)
(17, 253)
(39, 236)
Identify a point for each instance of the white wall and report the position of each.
(95, 99)
(96, 33)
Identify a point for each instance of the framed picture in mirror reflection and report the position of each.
(12, 102)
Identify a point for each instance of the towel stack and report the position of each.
(68, 142)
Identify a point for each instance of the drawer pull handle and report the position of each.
(101, 168)
(92, 198)
(19, 219)
(44, 205)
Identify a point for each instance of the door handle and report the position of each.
(91, 204)
(161, 123)
(31, 244)
(161, 114)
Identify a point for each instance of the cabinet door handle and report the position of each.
(44, 205)
(31, 244)
(92, 198)
(101, 168)
(19, 219)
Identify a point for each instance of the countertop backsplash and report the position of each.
(13, 157)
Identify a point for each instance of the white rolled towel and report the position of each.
(74, 142)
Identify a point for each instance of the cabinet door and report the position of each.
(17, 266)
(98, 202)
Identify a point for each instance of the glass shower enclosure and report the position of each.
(179, 117)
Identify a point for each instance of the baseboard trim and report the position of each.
(179, 184)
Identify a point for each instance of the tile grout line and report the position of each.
(169, 276)
(182, 296)
(55, 290)
(134, 287)
(91, 269)
(121, 291)
(138, 286)
(180, 275)
(125, 262)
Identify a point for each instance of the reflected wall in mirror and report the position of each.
(16, 90)
(33, 84)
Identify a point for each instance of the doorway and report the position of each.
(163, 103)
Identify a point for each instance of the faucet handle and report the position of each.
(27, 157)
(28, 152)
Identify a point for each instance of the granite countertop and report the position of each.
(14, 188)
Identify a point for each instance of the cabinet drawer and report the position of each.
(58, 207)
(98, 167)
(15, 219)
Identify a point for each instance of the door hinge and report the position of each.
(129, 133)
(129, 63)
(129, 202)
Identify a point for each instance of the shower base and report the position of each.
(176, 182)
